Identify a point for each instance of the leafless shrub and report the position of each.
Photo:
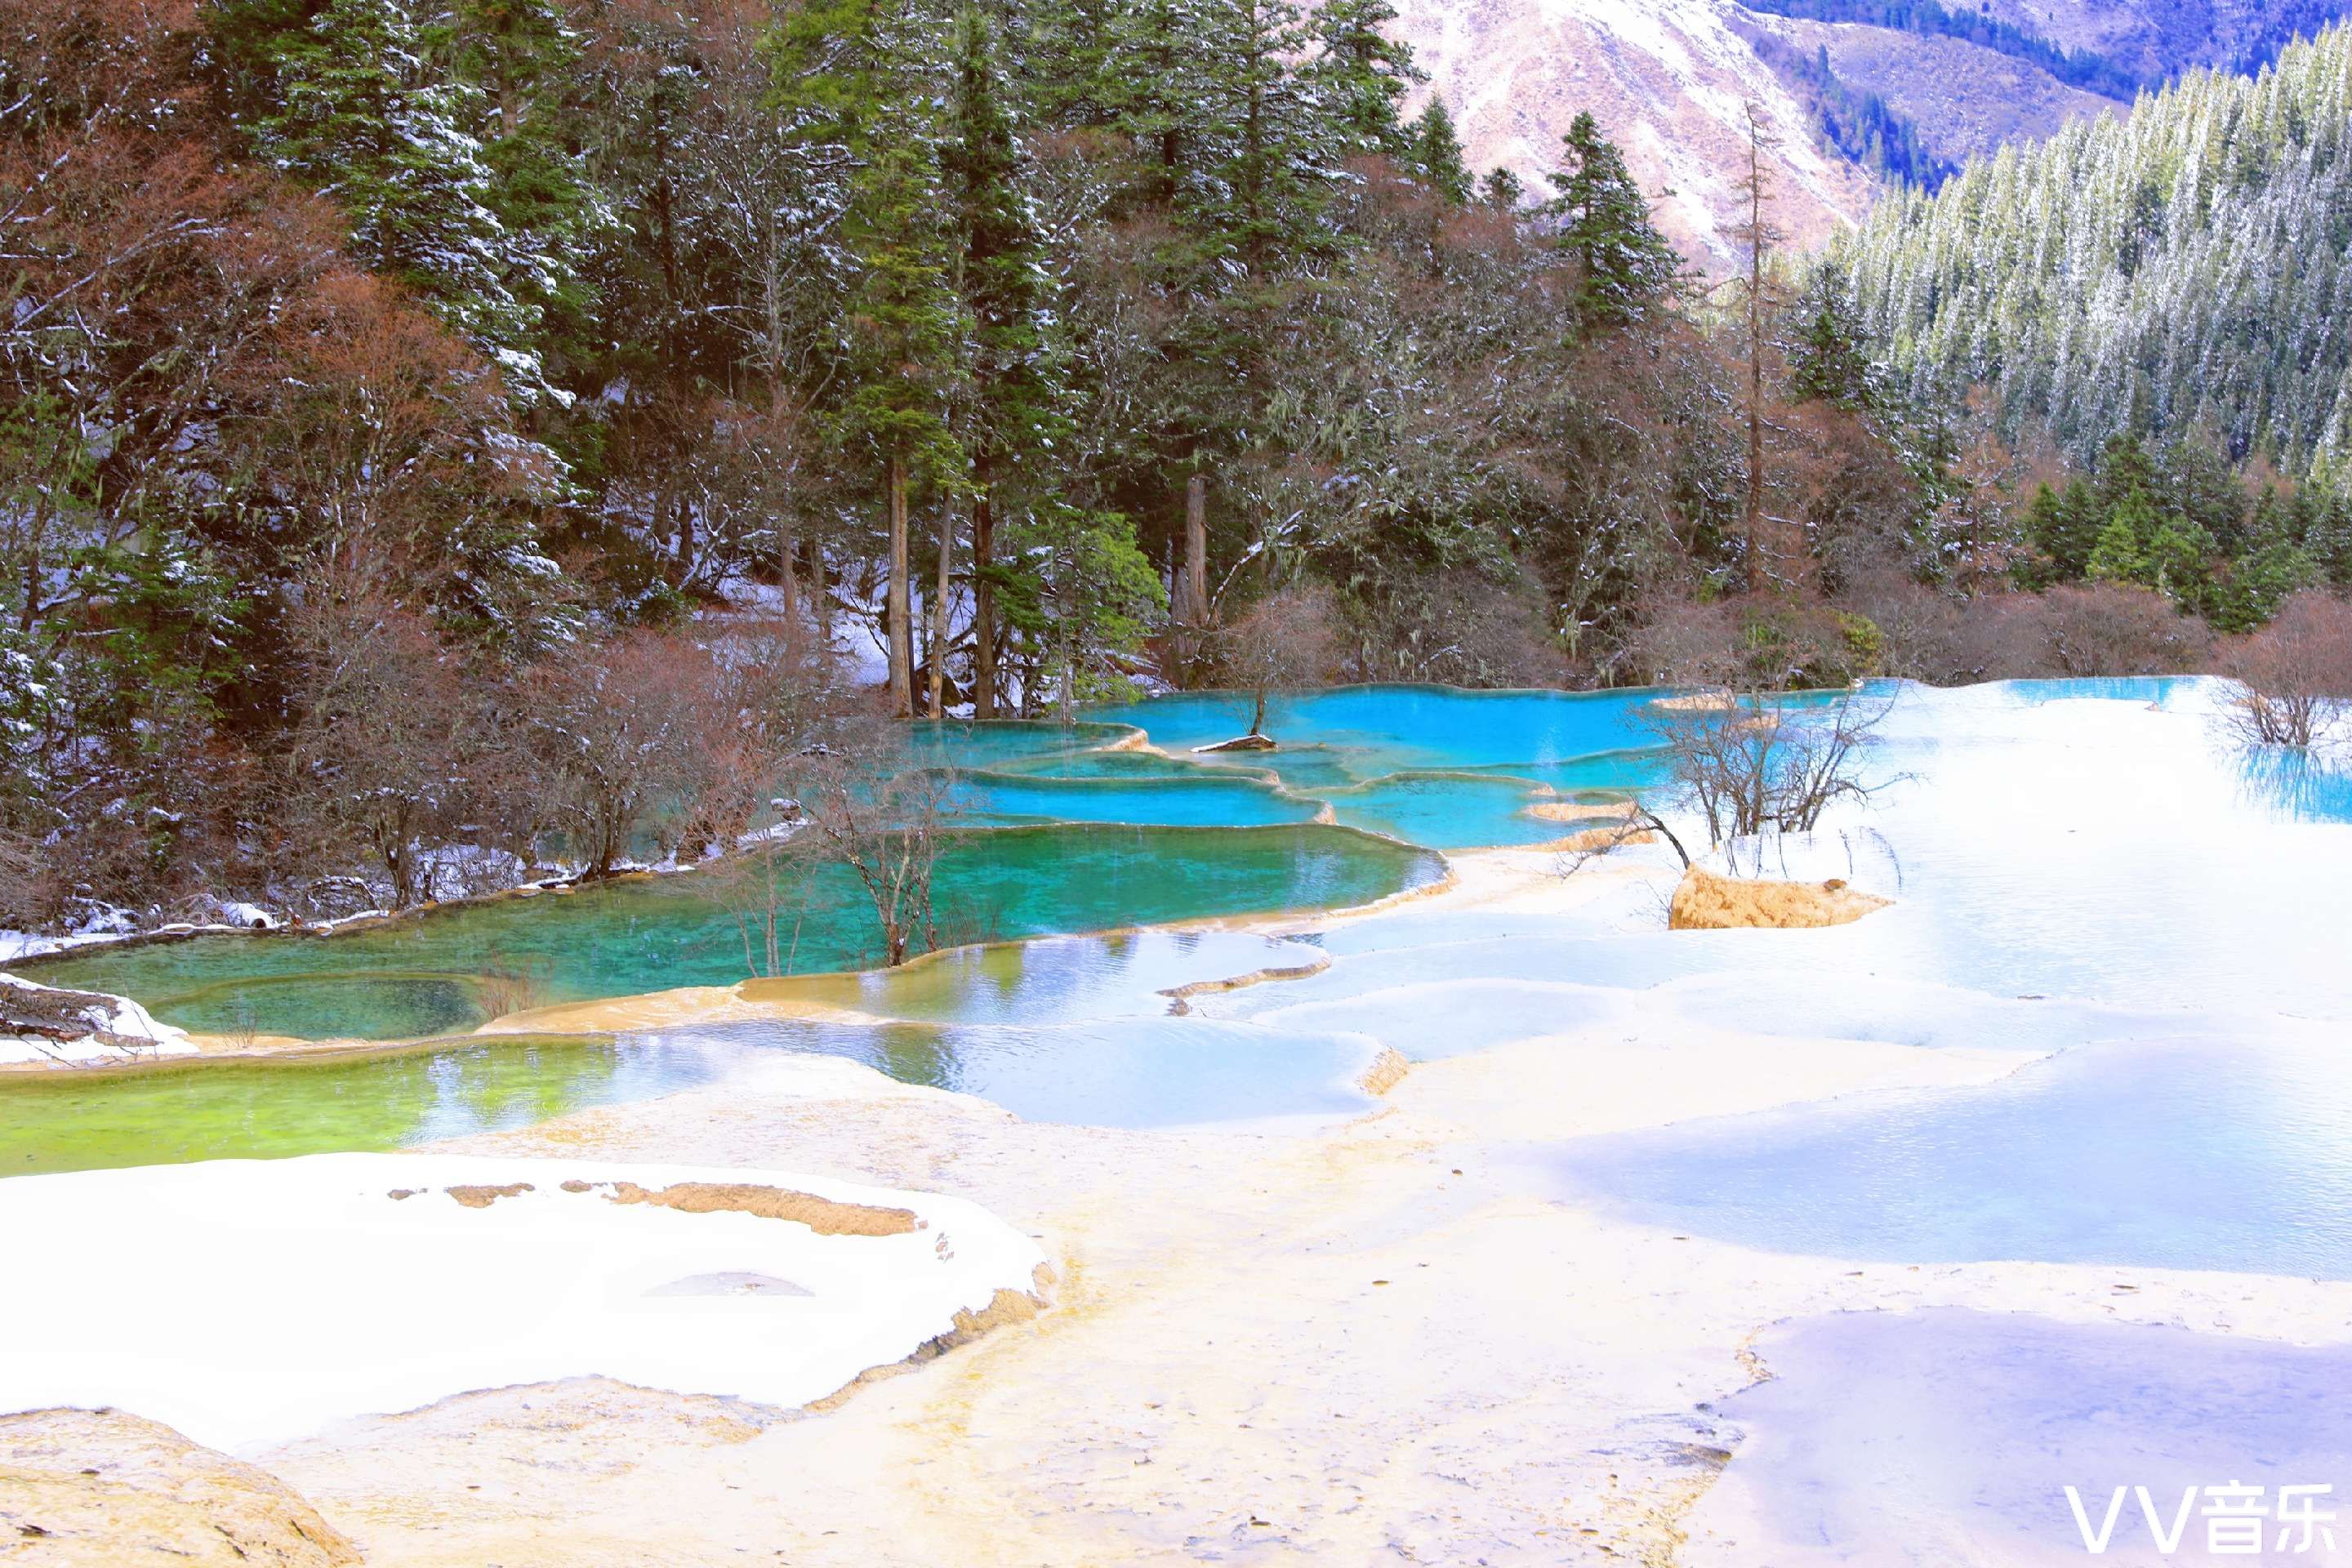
(1763, 642)
(1288, 640)
(390, 730)
(33, 893)
(1748, 761)
(1459, 628)
(2291, 682)
(886, 824)
(508, 986)
(614, 729)
(2113, 629)
(2079, 629)
(766, 890)
(775, 692)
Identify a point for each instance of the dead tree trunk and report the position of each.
(1760, 236)
(1196, 552)
(897, 611)
(940, 611)
(983, 599)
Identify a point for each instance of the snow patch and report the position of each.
(119, 1029)
(299, 1293)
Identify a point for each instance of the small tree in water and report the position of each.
(1288, 640)
(869, 808)
(1747, 763)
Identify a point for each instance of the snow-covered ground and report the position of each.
(246, 1302)
(120, 1030)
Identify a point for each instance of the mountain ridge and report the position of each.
(1670, 80)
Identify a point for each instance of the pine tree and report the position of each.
(524, 61)
(1270, 189)
(1502, 190)
(355, 106)
(1153, 83)
(1065, 55)
(1362, 75)
(848, 75)
(1827, 363)
(2275, 566)
(2064, 526)
(2123, 553)
(2126, 473)
(1016, 399)
(1436, 153)
(1604, 222)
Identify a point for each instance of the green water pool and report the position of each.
(448, 969)
(382, 1099)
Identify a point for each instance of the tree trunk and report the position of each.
(897, 617)
(1759, 237)
(820, 593)
(789, 592)
(1196, 552)
(1755, 433)
(940, 611)
(983, 597)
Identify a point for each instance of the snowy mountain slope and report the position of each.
(1668, 80)
(2161, 38)
(1964, 98)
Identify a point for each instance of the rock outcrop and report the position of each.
(101, 1488)
(1706, 900)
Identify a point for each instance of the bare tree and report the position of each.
(766, 888)
(390, 730)
(1756, 234)
(886, 823)
(1288, 640)
(2291, 682)
(1748, 761)
(775, 692)
(614, 729)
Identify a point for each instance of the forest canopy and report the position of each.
(438, 442)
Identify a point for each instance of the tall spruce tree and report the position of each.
(524, 61)
(1603, 219)
(1276, 178)
(1827, 361)
(349, 98)
(854, 74)
(1012, 396)
(1436, 153)
(1362, 75)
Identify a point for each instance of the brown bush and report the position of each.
(2291, 682)
(392, 727)
(614, 728)
(2083, 629)
(1762, 642)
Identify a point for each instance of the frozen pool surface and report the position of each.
(2209, 1154)
(1947, 1438)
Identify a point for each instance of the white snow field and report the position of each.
(249, 1302)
